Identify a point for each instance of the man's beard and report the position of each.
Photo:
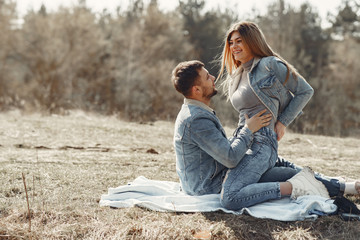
(210, 95)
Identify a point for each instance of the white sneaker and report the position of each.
(304, 183)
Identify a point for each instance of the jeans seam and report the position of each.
(252, 196)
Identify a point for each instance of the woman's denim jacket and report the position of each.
(266, 78)
(203, 153)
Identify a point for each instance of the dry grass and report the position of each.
(70, 161)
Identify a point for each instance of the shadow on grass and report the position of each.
(248, 227)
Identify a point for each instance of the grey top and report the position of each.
(244, 99)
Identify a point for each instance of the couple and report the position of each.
(269, 94)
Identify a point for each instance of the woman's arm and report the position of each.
(279, 130)
(298, 87)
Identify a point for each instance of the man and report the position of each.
(204, 154)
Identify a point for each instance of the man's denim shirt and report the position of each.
(203, 152)
(284, 100)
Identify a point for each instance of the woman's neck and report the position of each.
(248, 64)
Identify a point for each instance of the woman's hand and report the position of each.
(257, 121)
(280, 130)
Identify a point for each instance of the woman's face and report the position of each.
(239, 49)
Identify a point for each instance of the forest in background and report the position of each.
(120, 64)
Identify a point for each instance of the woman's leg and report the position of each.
(278, 174)
(236, 195)
(284, 170)
(240, 188)
(250, 195)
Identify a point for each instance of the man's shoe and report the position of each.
(304, 183)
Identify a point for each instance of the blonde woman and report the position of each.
(257, 78)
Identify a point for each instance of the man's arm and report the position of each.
(210, 138)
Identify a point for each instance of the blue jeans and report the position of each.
(284, 170)
(256, 178)
(240, 187)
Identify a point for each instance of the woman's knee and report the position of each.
(230, 204)
(226, 202)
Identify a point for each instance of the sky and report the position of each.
(242, 6)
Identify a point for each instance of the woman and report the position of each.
(250, 61)
(257, 79)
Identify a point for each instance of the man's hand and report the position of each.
(257, 121)
(280, 130)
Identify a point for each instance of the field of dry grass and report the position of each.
(69, 161)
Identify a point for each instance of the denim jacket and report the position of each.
(266, 78)
(203, 152)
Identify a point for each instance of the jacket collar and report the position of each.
(189, 101)
(255, 63)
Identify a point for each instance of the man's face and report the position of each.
(207, 83)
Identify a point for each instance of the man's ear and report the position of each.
(195, 90)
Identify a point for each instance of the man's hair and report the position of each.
(185, 76)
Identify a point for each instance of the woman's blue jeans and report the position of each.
(284, 170)
(257, 177)
(240, 186)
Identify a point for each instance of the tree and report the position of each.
(347, 21)
(8, 25)
(145, 44)
(297, 36)
(206, 30)
(56, 50)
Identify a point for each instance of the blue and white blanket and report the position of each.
(166, 196)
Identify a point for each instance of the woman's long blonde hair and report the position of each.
(253, 37)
